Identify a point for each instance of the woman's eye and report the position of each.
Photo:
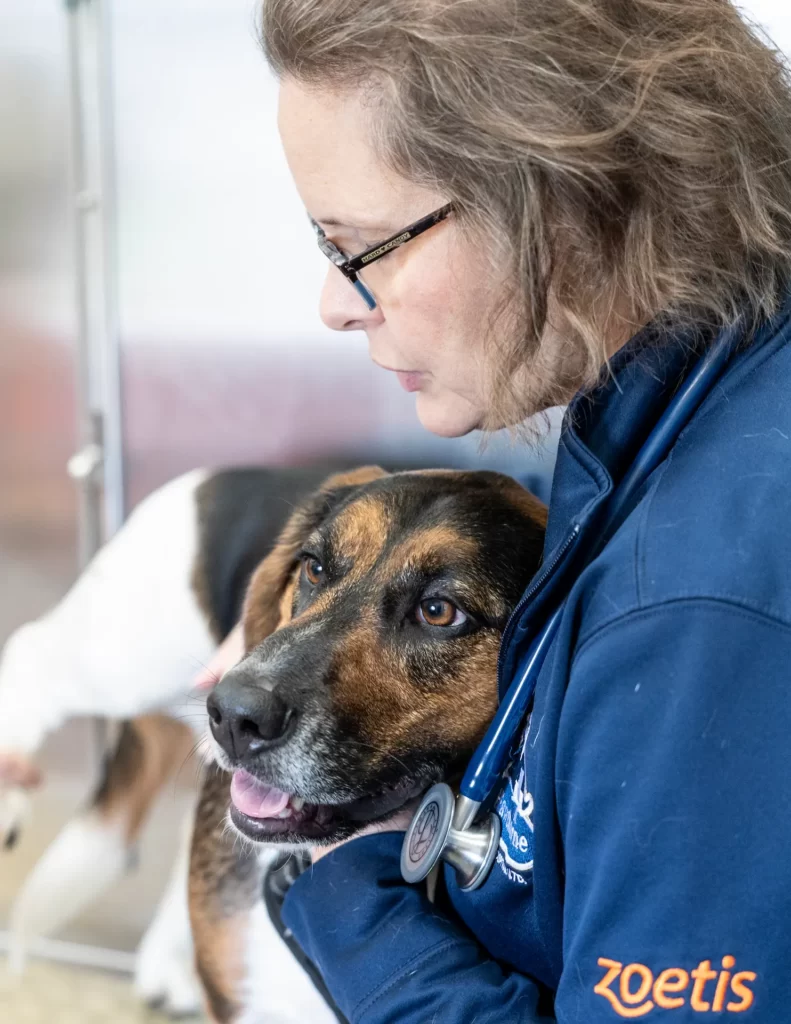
(314, 570)
(437, 611)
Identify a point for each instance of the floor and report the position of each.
(52, 994)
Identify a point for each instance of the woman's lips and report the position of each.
(410, 380)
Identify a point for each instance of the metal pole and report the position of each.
(114, 483)
(97, 467)
(85, 466)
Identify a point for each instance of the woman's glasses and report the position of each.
(350, 266)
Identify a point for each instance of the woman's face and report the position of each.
(435, 295)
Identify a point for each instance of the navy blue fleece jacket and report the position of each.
(643, 869)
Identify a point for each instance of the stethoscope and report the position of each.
(445, 828)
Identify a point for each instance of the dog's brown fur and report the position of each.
(264, 607)
(375, 691)
(224, 883)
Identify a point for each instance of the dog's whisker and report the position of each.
(194, 752)
(383, 750)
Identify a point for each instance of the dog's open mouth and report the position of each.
(267, 814)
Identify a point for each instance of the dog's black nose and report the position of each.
(246, 719)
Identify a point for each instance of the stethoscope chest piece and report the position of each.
(432, 837)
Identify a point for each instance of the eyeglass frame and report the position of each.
(350, 266)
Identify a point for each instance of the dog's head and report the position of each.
(372, 633)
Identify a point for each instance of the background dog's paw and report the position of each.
(18, 770)
(165, 974)
(14, 812)
(18, 774)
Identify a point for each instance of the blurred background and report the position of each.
(158, 307)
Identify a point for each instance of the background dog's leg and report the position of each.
(93, 850)
(165, 974)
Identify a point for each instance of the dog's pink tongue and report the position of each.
(254, 798)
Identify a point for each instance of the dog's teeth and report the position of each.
(285, 813)
(297, 803)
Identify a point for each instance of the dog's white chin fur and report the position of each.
(278, 990)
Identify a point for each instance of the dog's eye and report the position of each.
(314, 570)
(437, 611)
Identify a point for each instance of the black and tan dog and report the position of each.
(372, 632)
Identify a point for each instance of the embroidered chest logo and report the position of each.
(633, 991)
(515, 810)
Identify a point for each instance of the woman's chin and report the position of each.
(447, 415)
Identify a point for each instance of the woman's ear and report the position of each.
(267, 603)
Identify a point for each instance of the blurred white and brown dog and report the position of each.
(126, 643)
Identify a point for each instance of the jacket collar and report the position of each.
(602, 432)
(603, 429)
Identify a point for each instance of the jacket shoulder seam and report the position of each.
(640, 554)
(724, 385)
(728, 603)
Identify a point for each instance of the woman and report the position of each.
(603, 187)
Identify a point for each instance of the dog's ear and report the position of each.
(268, 598)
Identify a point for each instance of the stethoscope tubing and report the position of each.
(490, 760)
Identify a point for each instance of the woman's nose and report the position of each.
(342, 308)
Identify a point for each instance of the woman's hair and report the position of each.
(601, 151)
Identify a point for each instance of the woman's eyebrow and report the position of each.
(331, 222)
